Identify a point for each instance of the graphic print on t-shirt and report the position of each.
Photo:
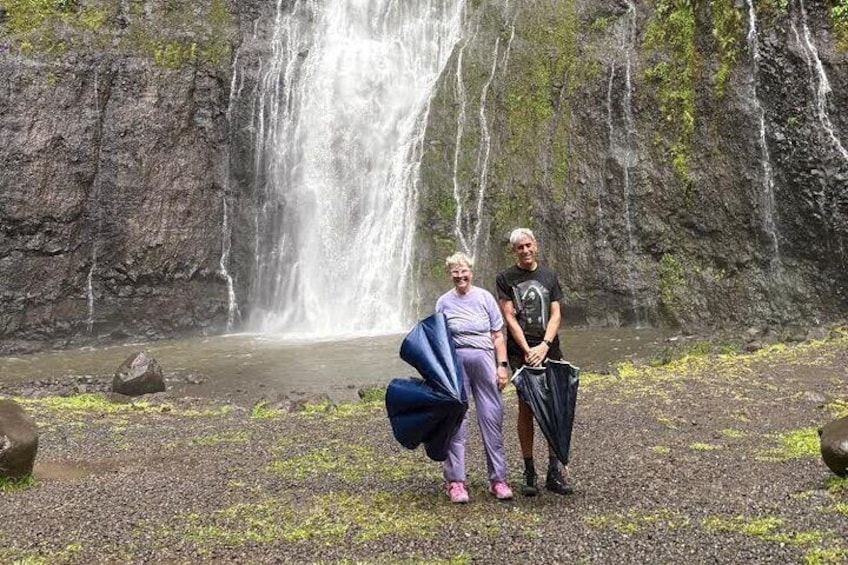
(533, 303)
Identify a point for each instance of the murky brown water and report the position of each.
(253, 366)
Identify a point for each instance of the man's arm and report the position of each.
(536, 355)
(511, 321)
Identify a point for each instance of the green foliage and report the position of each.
(671, 31)
(839, 18)
(727, 31)
(543, 71)
(672, 282)
(173, 34)
(15, 485)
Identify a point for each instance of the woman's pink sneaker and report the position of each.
(501, 490)
(457, 492)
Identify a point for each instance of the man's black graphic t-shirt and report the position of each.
(531, 293)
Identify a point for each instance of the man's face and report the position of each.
(525, 252)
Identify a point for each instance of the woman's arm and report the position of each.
(500, 358)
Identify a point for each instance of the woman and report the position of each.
(476, 328)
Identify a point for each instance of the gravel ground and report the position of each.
(705, 459)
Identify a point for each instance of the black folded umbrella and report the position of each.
(428, 411)
(551, 393)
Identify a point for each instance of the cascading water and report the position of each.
(621, 140)
(819, 81)
(236, 86)
(98, 221)
(340, 117)
(468, 224)
(767, 204)
(458, 193)
(483, 154)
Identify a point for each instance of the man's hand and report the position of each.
(536, 356)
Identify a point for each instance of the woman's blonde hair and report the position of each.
(459, 258)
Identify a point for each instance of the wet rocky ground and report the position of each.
(700, 457)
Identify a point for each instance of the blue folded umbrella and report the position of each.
(428, 411)
(551, 393)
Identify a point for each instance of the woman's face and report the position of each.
(461, 276)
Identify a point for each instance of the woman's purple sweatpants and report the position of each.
(481, 382)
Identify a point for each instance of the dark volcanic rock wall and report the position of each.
(653, 200)
(112, 171)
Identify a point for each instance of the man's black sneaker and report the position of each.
(555, 483)
(529, 487)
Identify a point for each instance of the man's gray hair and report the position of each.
(520, 233)
(459, 258)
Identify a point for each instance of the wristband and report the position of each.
(503, 364)
(547, 342)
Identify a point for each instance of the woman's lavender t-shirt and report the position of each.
(472, 317)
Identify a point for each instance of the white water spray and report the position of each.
(95, 196)
(226, 230)
(819, 81)
(621, 142)
(767, 203)
(458, 193)
(339, 123)
(483, 154)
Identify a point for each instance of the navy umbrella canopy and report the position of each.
(551, 393)
(428, 411)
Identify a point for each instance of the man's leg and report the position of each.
(525, 439)
(555, 480)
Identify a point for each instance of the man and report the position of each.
(529, 296)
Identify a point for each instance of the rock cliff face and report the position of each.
(113, 146)
(677, 166)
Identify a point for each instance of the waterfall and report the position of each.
(621, 142)
(95, 197)
(459, 217)
(819, 81)
(767, 202)
(226, 230)
(339, 123)
(483, 154)
(468, 225)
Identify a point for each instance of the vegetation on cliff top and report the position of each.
(172, 34)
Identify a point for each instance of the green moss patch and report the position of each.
(634, 521)
(171, 34)
(350, 463)
(16, 485)
(793, 444)
(337, 517)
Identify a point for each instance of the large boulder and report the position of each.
(834, 445)
(138, 375)
(18, 440)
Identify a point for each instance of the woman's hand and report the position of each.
(503, 377)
